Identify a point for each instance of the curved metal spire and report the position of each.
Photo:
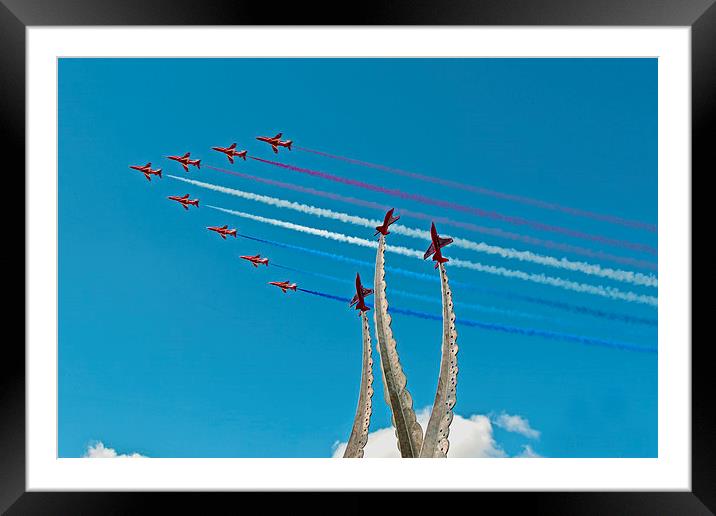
(361, 423)
(407, 429)
(436, 442)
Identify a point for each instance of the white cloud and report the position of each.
(516, 424)
(528, 452)
(469, 437)
(100, 451)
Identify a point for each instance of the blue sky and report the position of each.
(171, 346)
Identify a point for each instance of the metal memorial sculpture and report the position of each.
(361, 423)
(435, 443)
(410, 439)
(407, 429)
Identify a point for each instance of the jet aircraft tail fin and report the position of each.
(381, 229)
(440, 260)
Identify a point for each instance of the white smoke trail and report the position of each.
(598, 290)
(635, 278)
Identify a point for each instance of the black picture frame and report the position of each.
(16, 15)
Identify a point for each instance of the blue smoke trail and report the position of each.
(427, 299)
(345, 259)
(560, 305)
(311, 273)
(516, 330)
(329, 296)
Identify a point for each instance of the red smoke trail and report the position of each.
(303, 189)
(549, 244)
(492, 193)
(467, 209)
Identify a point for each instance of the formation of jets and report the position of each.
(231, 152)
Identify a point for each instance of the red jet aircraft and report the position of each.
(185, 161)
(223, 231)
(184, 200)
(389, 219)
(276, 142)
(359, 298)
(147, 171)
(255, 260)
(283, 285)
(437, 244)
(231, 151)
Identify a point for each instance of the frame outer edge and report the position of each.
(12, 379)
(12, 103)
(703, 130)
(370, 12)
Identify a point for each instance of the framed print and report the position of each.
(256, 252)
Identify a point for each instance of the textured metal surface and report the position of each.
(436, 442)
(407, 429)
(361, 423)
